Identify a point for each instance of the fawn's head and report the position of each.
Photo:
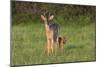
(62, 39)
(47, 17)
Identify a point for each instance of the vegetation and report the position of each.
(23, 12)
(77, 23)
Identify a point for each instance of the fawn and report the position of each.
(61, 40)
(52, 31)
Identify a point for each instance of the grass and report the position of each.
(28, 43)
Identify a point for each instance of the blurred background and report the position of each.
(26, 12)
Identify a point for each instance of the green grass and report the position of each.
(28, 43)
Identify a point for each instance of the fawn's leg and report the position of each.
(62, 47)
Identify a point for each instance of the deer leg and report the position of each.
(62, 47)
(48, 46)
(52, 45)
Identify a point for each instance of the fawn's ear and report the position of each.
(43, 18)
(51, 17)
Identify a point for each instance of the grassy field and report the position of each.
(28, 44)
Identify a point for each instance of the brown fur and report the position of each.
(61, 41)
(49, 35)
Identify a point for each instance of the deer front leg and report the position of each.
(48, 46)
(52, 45)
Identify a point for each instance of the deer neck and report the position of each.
(46, 26)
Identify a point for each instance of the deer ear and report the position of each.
(43, 18)
(51, 17)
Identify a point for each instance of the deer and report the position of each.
(52, 33)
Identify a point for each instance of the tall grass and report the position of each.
(28, 44)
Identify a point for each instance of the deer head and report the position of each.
(47, 16)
